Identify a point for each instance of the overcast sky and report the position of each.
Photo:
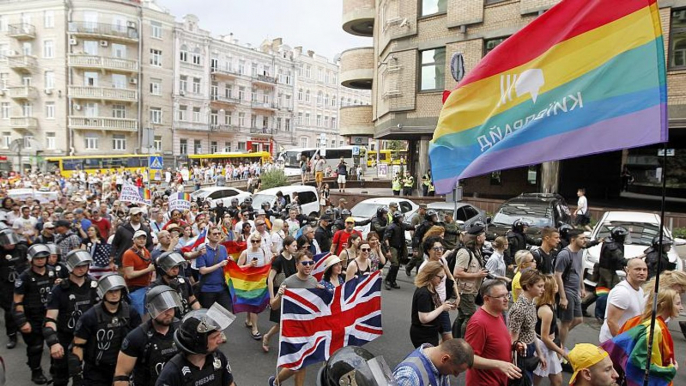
(312, 24)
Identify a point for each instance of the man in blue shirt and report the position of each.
(433, 366)
(211, 266)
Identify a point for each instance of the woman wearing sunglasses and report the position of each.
(253, 257)
(361, 265)
(427, 308)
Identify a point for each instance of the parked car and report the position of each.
(307, 196)
(642, 227)
(464, 214)
(366, 209)
(538, 209)
(220, 193)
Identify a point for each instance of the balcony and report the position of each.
(104, 124)
(224, 73)
(103, 31)
(357, 68)
(21, 31)
(358, 17)
(264, 80)
(265, 106)
(22, 63)
(103, 63)
(104, 94)
(356, 120)
(262, 131)
(24, 123)
(23, 92)
(222, 100)
(191, 126)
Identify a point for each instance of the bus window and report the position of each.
(53, 166)
(72, 164)
(92, 163)
(133, 162)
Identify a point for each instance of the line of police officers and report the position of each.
(95, 337)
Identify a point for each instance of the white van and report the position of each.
(307, 196)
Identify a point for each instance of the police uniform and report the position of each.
(36, 290)
(179, 371)
(71, 301)
(104, 333)
(152, 350)
(183, 287)
(379, 224)
(12, 263)
(408, 183)
(60, 270)
(397, 185)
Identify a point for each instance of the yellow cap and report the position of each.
(584, 356)
(350, 219)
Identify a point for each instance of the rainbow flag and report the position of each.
(602, 291)
(180, 196)
(629, 351)
(585, 77)
(235, 248)
(248, 287)
(145, 194)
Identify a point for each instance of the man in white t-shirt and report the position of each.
(625, 300)
(581, 215)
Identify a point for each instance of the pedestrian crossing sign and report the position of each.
(155, 163)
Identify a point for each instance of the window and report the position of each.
(90, 47)
(27, 48)
(677, 37)
(241, 119)
(214, 117)
(156, 86)
(228, 118)
(214, 63)
(304, 142)
(197, 146)
(119, 51)
(50, 141)
(254, 69)
(27, 109)
(432, 76)
(48, 49)
(320, 98)
(333, 101)
(49, 80)
(91, 109)
(156, 29)
(183, 53)
(241, 67)
(307, 96)
(430, 7)
(196, 85)
(489, 45)
(5, 110)
(326, 121)
(253, 120)
(241, 92)
(28, 139)
(287, 124)
(183, 146)
(118, 142)
(50, 110)
(300, 118)
(307, 119)
(213, 147)
(119, 81)
(49, 19)
(308, 73)
(156, 58)
(326, 100)
(183, 83)
(227, 147)
(91, 141)
(155, 115)
(196, 114)
(333, 122)
(300, 95)
(196, 57)
(6, 139)
(157, 144)
(118, 111)
(183, 116)
(241, 146)
(319, 120)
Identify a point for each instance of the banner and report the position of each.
(175, 202)
(585, 77)
(132, 194)
(23, 194)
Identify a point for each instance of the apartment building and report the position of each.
(72, 76)
(407, 64)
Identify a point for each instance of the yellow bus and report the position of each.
(233, 158)
(67, 166)
(387, 156)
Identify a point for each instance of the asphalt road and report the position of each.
(252, 367)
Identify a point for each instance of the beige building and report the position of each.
(407, 66)
(75, 77)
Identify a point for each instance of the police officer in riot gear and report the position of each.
(350, 366)
(654, 254)
(380, 221)
(394, 238)
(13, 261)
(430, 220)
(199, 362)
(31, 293)
(150, 346)
(339, 223)
(233, 209)
(170, 265)
(68, 301)
(54, 261)
(517, 237)
(564, 238)
(100, 332)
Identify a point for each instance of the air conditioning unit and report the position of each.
(48, 91)
(182, 93)
(131, 24)
(133, 80)
(104, 43)
(73, 42)
(12, 53)
(77, 107)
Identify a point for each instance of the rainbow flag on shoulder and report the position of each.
(585, 77)
(248, 287)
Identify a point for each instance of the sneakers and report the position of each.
(387, 285)
(408, 270)
(12, 342)
(395, 285)
(38, 378)
(271, 381)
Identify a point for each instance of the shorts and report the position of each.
(319, 176)
(573, 309)
(444, 325)
(341, 179)
(584, 219)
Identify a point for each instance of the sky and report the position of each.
(313, 24)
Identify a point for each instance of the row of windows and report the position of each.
(304, 119)
(214, 146)
(50, 142)
(26, 18)
(323, 75)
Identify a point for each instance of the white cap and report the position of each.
(140, 233)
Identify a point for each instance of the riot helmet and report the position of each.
(77, 258)
(432, 215)
(519, 225)
(619, 234)
(38, 251)
(110, 282)
(265, 205)
(197, 325)
(8, 237)
(348, 366)
(329, 212)
(398, 216)
(54, 250)
(248, 201)
(161, 298)
(564, 231)
(234, 201)
(666, 242)
(345, 213)
(169, 260)
(380, 211)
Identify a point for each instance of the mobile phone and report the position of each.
(254, 259)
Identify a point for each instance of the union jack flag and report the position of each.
(319, 266)
(316, 323)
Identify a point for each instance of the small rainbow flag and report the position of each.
(234, 248)
(181, 196)
(145, 194)
(601, 291)
(248, 287)
(585, 77)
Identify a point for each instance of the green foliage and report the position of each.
(273, 179)
(396, 144)
(679, 232)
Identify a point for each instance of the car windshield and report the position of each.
(365, 209)
(259, 199)
(199, 193)
(639, 233)
(538, 215)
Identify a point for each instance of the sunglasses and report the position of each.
(255, 241)
(216, 233)
(365, 249)
(437, 248)
(307, 263)
(258, 224)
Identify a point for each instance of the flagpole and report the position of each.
(646, 377)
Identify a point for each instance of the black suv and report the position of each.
(538, 209)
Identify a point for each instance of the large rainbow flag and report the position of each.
(585, 77)
(629, 352)
(248, 287)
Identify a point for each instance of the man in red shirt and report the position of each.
(138, 269)
(489, 337)
(101, 223)
(340, 239)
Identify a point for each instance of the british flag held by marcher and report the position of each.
(320, 265)
(316, 323)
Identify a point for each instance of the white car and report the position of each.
(464, 214)
(307, 197)
(364, 210)
(642, 228)
(220, 193)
